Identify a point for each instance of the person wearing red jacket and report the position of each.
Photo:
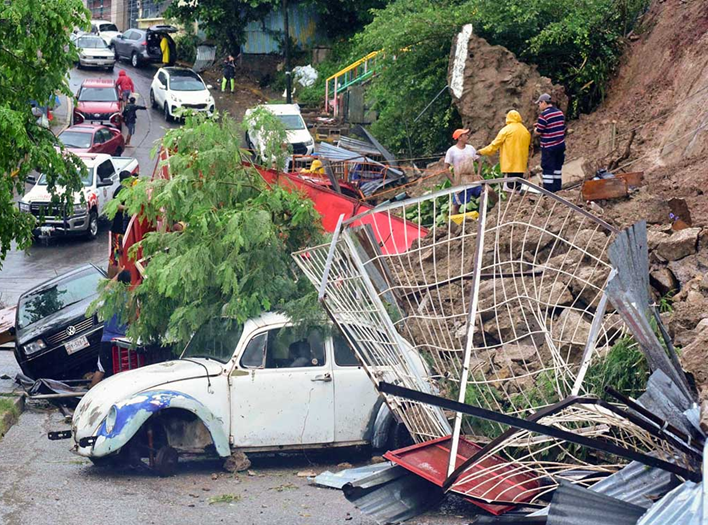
(125, 85)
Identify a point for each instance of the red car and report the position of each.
(93, 138)
(97, 102)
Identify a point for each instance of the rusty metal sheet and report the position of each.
(597, 190)
(7, 322)
(493, 482)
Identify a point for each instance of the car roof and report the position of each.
(282, 109)
(61, 278)
(97, 21)
(90, 159)
(180, 72)
(84, 127)
(98, 82)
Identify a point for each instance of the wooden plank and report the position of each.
(596, 190)
(635, 178)
(7, 321)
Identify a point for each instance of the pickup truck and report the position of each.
(100, 183)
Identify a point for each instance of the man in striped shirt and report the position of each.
(551, 129)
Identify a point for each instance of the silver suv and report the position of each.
(142, 46)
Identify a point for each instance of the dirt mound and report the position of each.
(487, 81)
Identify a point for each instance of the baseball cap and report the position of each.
(543, 98)
(458, 132)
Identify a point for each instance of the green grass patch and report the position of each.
(7, 406)
(624, 368)
(224, 498)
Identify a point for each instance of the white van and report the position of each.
(106, 30)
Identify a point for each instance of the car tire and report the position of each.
(134, 60)
(398, 436)
(78, 65)
(92, 230)
(110, 69)
(153, 102)
(166, 461)
(118, 152)
(166, 110)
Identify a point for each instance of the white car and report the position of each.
(94, 52)
(106, 30)
(256, 387)
(177, 88)
(100, 184)
(299, 136)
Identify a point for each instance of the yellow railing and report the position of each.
(346, 77)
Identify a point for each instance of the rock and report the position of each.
(574, 171)
(679, 245)
(306, 474)
(344, 465)
(515, 352)
(694, 297)
(486, 81)
(556, 294)
(655, 237)
(663, 280)
(237, 462)
(690, 267)
(571, 328)
(693, 359)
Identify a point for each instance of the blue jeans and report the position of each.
(465, 196)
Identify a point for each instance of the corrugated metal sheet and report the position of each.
(337, 480)
(636, 484)
(664, 399)
(262, 38)
(681, 506)
(206, 55)
(574, 505)
(393, 495)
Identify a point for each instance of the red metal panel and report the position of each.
(495, 480)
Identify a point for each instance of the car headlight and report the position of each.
(80, 209)
(310, 142)
(34, 347)
(111, 419)
(24, 206)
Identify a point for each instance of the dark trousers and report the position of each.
(106, 357)
(552, 160)
(514, 185)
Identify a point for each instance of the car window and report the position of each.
(284, 348)
(91, 42)
(43, 303)
(343, 354)
(136, 35)
(162, 78)
(292, 122)
(105, 170)
(108, 27)
(98, 94)
(86, 179)
(217, 339)
(75, 139)
(106, 135)
(186, 83)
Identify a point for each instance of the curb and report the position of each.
(10, 418)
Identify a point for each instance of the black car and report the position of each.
(142, 46)
(54, 338)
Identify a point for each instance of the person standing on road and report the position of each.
(130, 118)
(111, 330)
(458, 155)
(165, 48)
(125, 86)
(229, 70)
(513, 142)
(119, 225)
(551, 129)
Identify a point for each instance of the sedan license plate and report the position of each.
(77, 344)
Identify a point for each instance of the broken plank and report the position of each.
(596, 190)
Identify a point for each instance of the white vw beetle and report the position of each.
(257, 387)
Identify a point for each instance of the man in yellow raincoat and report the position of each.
(165, 48)
(513, 142)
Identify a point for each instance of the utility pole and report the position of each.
(288, 79)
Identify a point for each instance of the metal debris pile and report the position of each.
(480, 333)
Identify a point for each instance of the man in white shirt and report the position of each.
(458, 156)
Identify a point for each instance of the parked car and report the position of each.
(252, 387)
(106, 30)
(93, 138)
(100, 183)
(97, 101)
(54, 338)
(142, 46)
(94, 52)
(175, 88)
(299, 136)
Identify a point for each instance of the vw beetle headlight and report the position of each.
(111, 419)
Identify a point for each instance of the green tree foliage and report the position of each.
(232, 258)
(343, 18)
(35, 56)
(223, 21)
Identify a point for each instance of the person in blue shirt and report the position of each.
(111, 330)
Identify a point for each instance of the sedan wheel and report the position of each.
(134, 60)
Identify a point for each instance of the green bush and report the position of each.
(186, 47)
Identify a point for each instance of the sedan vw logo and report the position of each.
(96, 115)
(71, 330)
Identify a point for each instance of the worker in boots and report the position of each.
(551, 130)
(512, 142)
(229, 71)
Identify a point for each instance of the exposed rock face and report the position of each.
(678, 245)
(487, 81)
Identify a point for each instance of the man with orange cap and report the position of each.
(459, 155)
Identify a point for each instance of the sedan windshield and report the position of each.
(91, 43)
(98, 94)
(215, 340)
(292, 122)
(186, 84)
(48, 301)
(108, 27)
(86, 179)
(76, 139)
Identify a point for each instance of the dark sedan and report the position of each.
(54, 338)
(93, 138)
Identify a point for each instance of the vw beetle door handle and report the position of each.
(325, 378)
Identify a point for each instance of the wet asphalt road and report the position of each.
(21, 271)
